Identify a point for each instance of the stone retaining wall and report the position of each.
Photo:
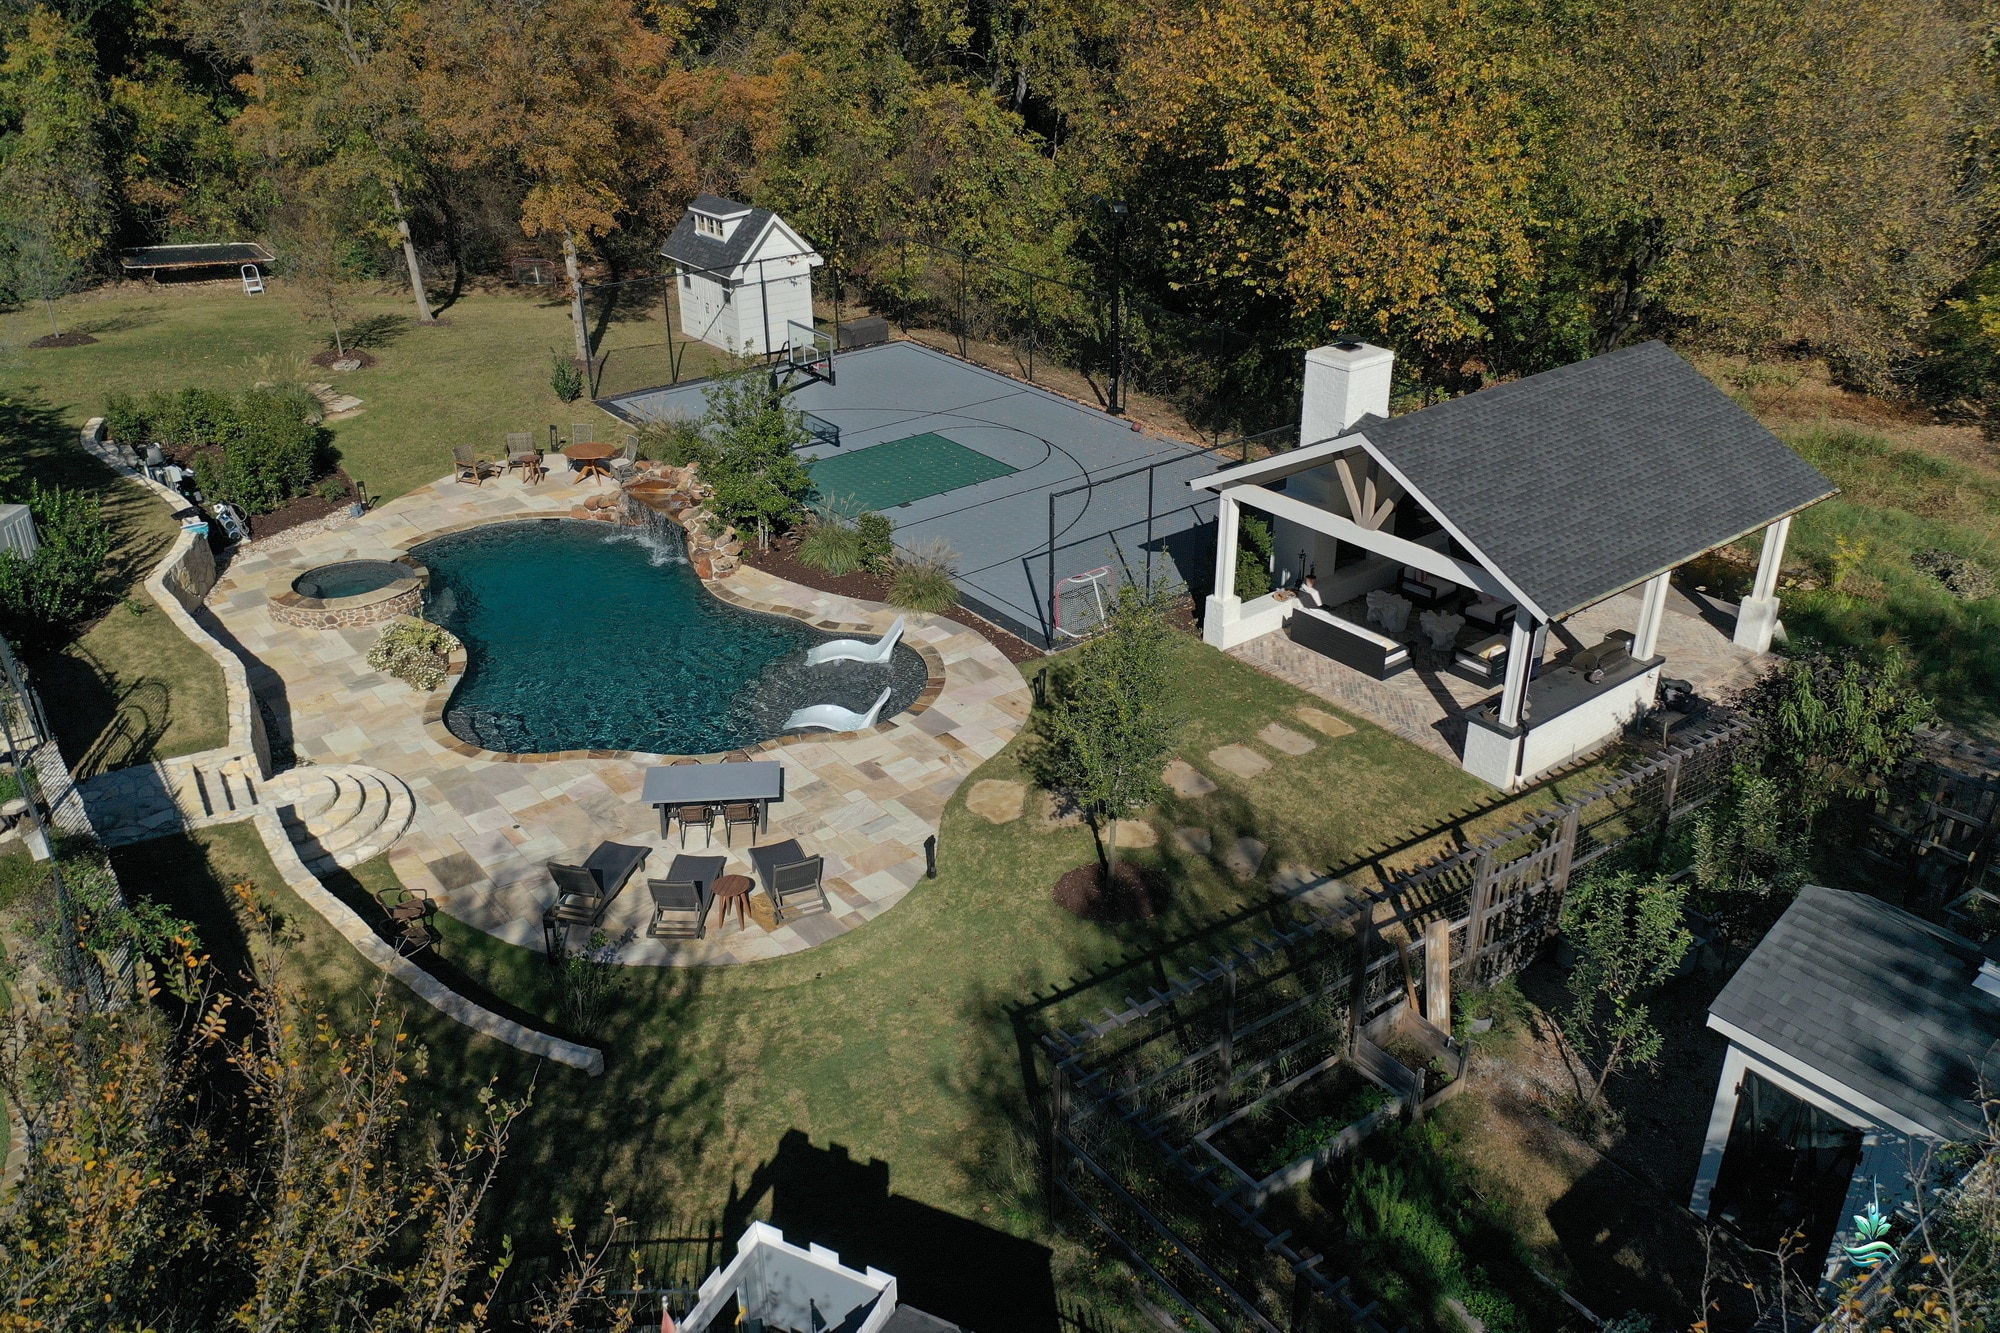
(312, 613)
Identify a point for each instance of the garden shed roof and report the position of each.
(1876, 1005)
(747, 242)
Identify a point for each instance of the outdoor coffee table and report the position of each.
(670, 785)
(734, 889)
(591, 458)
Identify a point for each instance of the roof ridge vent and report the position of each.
(1988, 978)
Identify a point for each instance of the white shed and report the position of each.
(744, 275)
(17, 531)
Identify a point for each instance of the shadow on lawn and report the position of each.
(944, 1265)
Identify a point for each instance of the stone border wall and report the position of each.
(426, 987)
(179, 583)
(718, 587)
(404, 597)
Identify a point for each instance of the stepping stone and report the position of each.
(1286, 741)
(1244, 858)
(997, 802)
(1241, 760)
(1292, 877)
(1324, 722)
(1185, 780)
(1196, 841)
(1134, 833)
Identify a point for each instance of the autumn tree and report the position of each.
(1764, 170)
(578, 96)
(55, 206)
(1314, 166)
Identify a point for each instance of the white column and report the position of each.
(1223, 604)
(1519, 648)
(1652, 609)
(1721, 1116)
(1757, 618)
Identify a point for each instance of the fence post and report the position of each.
(1475, 926)
(1667, 800)
(1565, 855)
(1058, 1133)
(1228, 1056)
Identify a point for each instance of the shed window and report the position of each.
(707, 226)
(687, 282)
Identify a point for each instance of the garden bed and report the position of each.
(1309, 1120)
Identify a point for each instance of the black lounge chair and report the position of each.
(585, 893)
(791, 879)
(681, 900)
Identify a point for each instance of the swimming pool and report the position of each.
(583, 637)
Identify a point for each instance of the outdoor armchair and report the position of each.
(681, 900)
(791, 879)
(469, 465)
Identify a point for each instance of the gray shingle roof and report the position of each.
(1874, 999)
(1582, 481)
(690, 248)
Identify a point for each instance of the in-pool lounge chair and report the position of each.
(791, 879)
(681, 900)
(585, 893)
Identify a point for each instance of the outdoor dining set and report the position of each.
(583, 453)
(739, 793)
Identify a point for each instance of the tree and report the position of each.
(579, 96)
(1629, 938)
(64, 582)
(55, 211)
(1110, 720)
(750, 437)
(319, 264)
(1750, 853)
(1314, 166)
(1830, 725)
(1764, 170)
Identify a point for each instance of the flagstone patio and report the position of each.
(487, 823)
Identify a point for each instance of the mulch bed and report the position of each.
(303, 509)
(63, 340)
(1135, 894)
(329, 356)
(782, 560)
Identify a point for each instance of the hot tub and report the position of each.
(352, 592)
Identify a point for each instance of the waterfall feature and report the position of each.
(651, 512)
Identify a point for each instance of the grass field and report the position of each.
(726, 1089)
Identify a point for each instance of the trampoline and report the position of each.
(896, 472)
(954, 452)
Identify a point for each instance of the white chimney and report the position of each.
(1344, 383)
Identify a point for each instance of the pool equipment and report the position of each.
(857, 650)
(832, 717)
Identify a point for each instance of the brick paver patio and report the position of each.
(487, 824)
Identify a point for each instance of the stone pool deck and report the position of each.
(486, 824)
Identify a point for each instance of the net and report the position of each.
(1081, 602)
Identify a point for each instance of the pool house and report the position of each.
(1463, 537)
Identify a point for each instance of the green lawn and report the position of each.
(891, 1043)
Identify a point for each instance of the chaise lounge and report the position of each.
(791, 879)
(585, 893)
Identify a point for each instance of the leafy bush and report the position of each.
(1302, 1140)
(833, 546)
(564, 377)
(65, 580)
(751, 431)
(125, 422)
(923, 582)
(677, 442)
(191, 418)
(413, 651)
(332, 490)
(275, 451)
(878, 549)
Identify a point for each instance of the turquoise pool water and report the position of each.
(583, 637)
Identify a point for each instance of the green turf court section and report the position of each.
(896, 472)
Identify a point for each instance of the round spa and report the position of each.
(352, 592)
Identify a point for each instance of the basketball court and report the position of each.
(951, 451)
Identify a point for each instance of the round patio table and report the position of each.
(734, 889)
(591, 458)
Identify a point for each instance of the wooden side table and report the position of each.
(734, 890)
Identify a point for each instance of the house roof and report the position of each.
(1583, 481)
(690, 249)
(1873, 1001)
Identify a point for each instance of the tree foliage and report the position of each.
(748, 449)
(64, 581)
(1629, 937)
(1110, 720)
(55, 206)
(1836, 724)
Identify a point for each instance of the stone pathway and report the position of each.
(1241, 760)
(486, 824)
(1243, 858)
(1187, 781)
(996, 801)
(1286, 741)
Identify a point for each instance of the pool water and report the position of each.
(350, 578)
(583, 637)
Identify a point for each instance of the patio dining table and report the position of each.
(591, 457)
(670, 785)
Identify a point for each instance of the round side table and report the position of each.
(734, 890)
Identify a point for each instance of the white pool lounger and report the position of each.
(832, 717)
(857, 650)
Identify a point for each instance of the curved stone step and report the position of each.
(383, 809)
(401, 813)
(367, 815)
(302, 794)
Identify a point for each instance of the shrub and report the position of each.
(1253, 556)
(413, 651)
(677, 441)
(191, 418)
(65, 580)
(832, 546)
(274, 454)
(332, 490)
(923, 582)
(125, 421)
(564, 377)
(878, 549)
(750, 432)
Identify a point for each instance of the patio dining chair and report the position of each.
(681, 900)
(582, 432)
(469, 465)
(790, 878)
(739, 814)
(521, 451)
(627, 462)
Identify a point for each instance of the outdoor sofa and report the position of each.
(1347, 643)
